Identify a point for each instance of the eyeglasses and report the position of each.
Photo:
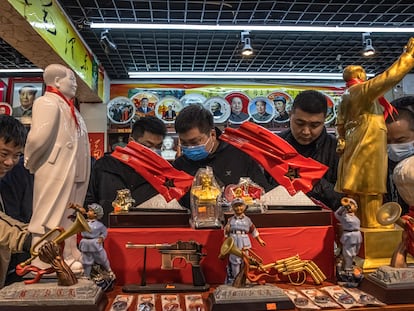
(201, 140)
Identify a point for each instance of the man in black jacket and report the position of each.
(14, 236)
(308, 135)
(109, 174)
(201, 147)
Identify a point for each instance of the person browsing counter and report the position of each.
(400, 143)
(201, 147)
(308, 135)
(109, 174)
(14, 236)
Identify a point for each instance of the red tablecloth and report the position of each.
(315, 243)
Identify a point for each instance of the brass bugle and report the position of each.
(389, 213)
(228, 247)
(79, 225)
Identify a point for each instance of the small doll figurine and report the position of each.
(238, 227)
(91, 244)
(351, 237)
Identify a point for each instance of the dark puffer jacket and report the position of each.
(109, 175)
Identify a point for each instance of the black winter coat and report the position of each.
(109, 175)
(16, 189)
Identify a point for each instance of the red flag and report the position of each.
(168, 181)
(278, 157)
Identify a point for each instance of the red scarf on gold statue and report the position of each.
(54, 90)
(388, 108)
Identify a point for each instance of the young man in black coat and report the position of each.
(109, 174)
(14, 236)
(308, 135)
(201, 147)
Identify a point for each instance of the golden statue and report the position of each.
(123, 201)
(205, 195)
(206, 191)
(362, 134)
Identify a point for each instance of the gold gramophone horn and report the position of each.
(228, 247)
(79, 225)
(389, 213)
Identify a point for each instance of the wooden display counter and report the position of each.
(290, 218)
(270, 219)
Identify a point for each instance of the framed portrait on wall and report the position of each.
(282, 102)
(120, 110)
(238, 102)
(261, 110)
(5, 108)
(219, 108)
(22, 96)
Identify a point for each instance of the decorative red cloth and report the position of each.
(388, 108)
(168, 181)
(409, 229)
(54, 90)
(278, 157)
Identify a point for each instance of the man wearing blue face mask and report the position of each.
(400, 142)
(109, 174)
(201, 147)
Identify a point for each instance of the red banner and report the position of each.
(97, 144)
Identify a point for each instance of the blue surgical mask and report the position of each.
(398, 152)
(196, 153)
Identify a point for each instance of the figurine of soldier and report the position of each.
(91, 244)
(351, 237)
(238, 227)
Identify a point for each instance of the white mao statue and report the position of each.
(57, 153)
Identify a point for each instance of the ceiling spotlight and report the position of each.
(247, 49)
(368, 49)
(106, 43)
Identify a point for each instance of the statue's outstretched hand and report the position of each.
(409, 48)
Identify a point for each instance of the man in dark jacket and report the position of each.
(109, 174)
(16, 189)
(308, 135)
(14, 236)
(201, 147)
